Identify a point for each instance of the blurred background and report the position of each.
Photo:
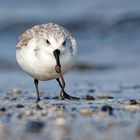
(107, 34)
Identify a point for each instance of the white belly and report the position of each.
(42, 68)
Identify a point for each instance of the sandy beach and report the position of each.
(106, 76)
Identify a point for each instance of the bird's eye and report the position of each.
(48, 42)
(64, 43)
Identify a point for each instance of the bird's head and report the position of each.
(58, 41)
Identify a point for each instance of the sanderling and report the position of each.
(47, 52)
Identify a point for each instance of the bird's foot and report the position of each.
(64, 95)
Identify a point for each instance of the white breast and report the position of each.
(42, 66)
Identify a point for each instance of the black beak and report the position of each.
(57, 57)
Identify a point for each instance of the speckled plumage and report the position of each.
(36, 31)
(35, 56)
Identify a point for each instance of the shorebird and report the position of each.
(47, 52)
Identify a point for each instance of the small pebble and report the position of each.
(89, 97)
(91, 90)
(46, 97)
(133, 102)
(15, 91)
(60, 121)
(86, 112)
(28, 113)
(104, 96)
(2, 109)
(19, 106)
(74, 108)
(20, 115)
(107, 108)
(132, 107)
(34, 126)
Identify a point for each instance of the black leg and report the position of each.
(62, 88)
(37, 90)
(63, 94)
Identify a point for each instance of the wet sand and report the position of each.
(102, 113)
